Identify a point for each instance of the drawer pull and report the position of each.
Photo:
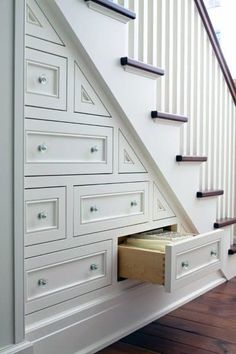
(185, 264)
(42, 215)
(94, 149)
(213, 253)
(43, 79)
(94, 267)
(93, 209)
(42, 282)
(133, 203)
(42, 147)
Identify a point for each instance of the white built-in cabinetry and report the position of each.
(87, 182)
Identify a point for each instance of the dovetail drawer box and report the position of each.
(45, 80)
(103, 207)
(53, 148)
(61, 275)
(180, 265)
(44, 215)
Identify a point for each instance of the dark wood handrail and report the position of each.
(216, 47)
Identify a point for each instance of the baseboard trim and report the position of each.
(148, 304)
(21, 348)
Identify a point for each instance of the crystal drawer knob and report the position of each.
(134, 203)
(94, 149)
(185, 264)
(94, 267)
(42, 147)
(93, 209)
(213, 253)
(42, 215)
(43, 79)
(42, 282)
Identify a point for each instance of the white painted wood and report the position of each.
(19, 93)
(155, 136)
(59, 276)
(161, 208)
(193, 85)
(77, 325)
(46, 80)
(22, 348)
(129, 162)
(102, 207)
(11, 176)
(192, 259)
(86, 99)
(58, 148)
(38, 25)
(45, 215)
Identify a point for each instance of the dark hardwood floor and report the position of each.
(203, 326)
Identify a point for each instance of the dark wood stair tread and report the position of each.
(169, 116)
(115, 7)
(232, 249)
(142, 66)
(224, 222)
(187, 158)
(209, 193)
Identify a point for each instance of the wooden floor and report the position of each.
(203, 326)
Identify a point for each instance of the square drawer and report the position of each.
(45, 80)
(62, 275)
(180, 264)
(53, 148)
(44, 215)
(104, 207)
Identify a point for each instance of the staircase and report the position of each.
(134, 92)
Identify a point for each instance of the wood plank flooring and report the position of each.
(203, 326)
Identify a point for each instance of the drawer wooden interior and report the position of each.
(141, 264)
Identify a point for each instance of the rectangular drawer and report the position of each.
(62, 275)
(103, 207)
(180, 264)
(59, 148)
(44, 215)
(45, 80)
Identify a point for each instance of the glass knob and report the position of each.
(185, 264)
(42, 215)
(213, 253)
(93, 267)
(134, 203)
(42, 282)
(43, 79)
(93, 208)
(42, 147)
(94, 149)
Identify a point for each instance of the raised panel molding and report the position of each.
(86, 99)
(161, 208)
(129, 162)
(38, 25)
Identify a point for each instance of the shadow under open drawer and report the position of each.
(181, 264)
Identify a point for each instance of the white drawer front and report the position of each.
(101, 207)
(59, 148)
(192, 259)
(45, 80)
(69, 273)
(44, 215)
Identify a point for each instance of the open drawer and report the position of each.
(180, 264)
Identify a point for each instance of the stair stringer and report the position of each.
(135, 97)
